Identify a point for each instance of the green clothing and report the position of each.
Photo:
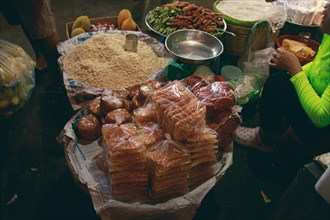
(313, 85)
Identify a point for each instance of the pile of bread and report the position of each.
(161, 141)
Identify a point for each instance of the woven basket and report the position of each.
(236, 45)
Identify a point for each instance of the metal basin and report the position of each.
(195, 47)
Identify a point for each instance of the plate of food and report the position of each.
(304, 48)
(164, 20)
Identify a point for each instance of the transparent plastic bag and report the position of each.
(247, 87)
(259, 63)
(126, 162)
(178, 111)
(16, 77)
(169, 168)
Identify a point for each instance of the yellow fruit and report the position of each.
(8, 92)
(82, 22)
(77, 31)
(15, 100)
(122, 16)
(129, 25)
(21, 93)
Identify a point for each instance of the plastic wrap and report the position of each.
(126, 162)
(145, 115)
(247, 87)
(151, 133)
(258, 62)
(307, 13)
(219, 99)
(203, 148)
(16, 77)
(169, 167)
(178, 111)
(118, 116)
(217, 96)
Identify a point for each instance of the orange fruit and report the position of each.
(123, 15)
(129, 25)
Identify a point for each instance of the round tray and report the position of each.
(162, 35)
(302, 25)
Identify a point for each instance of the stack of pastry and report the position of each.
(169, 168)
(219, 99)
(178, 111)
(203, 148)
(125, 153)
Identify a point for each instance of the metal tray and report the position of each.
(162, 35)
(302, 25)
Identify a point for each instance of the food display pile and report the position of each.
(183, 15)
(83, 24)
(160, 140)
(300, 49)
(249, 11)
(102, 62)
(153, 140)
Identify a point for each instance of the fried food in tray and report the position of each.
(178, 15)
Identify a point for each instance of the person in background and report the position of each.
(38, 23)
(298, 98)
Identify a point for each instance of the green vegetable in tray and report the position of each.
(160, 19)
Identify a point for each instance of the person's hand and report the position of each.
(285, 60)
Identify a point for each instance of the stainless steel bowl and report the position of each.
(195, 47)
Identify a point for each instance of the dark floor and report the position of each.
(28, 141)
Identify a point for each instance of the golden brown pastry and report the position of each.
(118, 116)
(89, 127)
(301, 50)
(109, 102)
(94, 107)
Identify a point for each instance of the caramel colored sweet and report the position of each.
(89, 127)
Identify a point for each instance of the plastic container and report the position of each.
(309, 42)
(230, 72)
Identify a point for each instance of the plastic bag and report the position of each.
(126, 162)
(178, 111)
(276, 17)
(169, 167)
(247, 87)
(259, 63)
(255, 61)
(16, 77)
